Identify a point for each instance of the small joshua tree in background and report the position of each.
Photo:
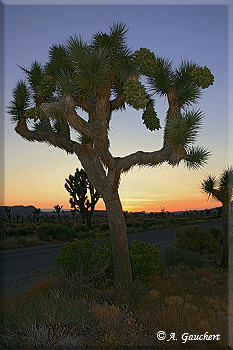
(221, 189)
(83, 195)
(57, 210)
(36, 213)
(8, 214)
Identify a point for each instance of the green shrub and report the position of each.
(195, 240)
(8, 243)
(104, 226)
(217, 233)
(50, 232)
(175, 256)
(85, 256)
(26, 229)
(150, 222)
(46, 232)
(145, 259)
(94, 260)
(81, 228)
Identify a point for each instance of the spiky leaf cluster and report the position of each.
(34, 75)
(146, 61)
(197, 157)
(135, 94)
(58, 59)
(162, 79)
(202, 77)
(46, 87)
(20, 102)
(150, 118)
(182, 130)
(186, 90)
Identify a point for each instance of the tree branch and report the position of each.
(165, 154)
(66, 106)
(47, 136)
(118, 102)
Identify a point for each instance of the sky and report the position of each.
(34, 174)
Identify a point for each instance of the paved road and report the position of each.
(20, 268)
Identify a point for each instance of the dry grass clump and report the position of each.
(117, 326)
(44, 284)
(185, 302)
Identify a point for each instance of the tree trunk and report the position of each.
(225, 220)
(123, 280)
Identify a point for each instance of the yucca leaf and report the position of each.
(35, 75)
(208, 185)
(65, 82)
(197, 157)
(182, 129)
(58, 59)
(93, 72)
(20, 102)
(226, 179)
(186, 90)
(161, 81)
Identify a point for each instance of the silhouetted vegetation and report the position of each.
(84, 196)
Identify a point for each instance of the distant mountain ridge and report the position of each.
(28, 210)
(18, 209)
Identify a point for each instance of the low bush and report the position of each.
(145, 259)
(26, 229)
(94, 260)
(175, 256)
(81, 228)
(50, 232)
(196, 240)
(86, 257)
(104, 226)
(217, 233)
(46, 232)
(136, 225)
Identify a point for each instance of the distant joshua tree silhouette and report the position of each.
(83, 195)
(57, 210)
(8, 214)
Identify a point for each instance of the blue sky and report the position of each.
(198, 33)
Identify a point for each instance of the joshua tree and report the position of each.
(57, 210)
(221, 189)
(36, 213)
(8, 214)
(78, 186)
(101, 77)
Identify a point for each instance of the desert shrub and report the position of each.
(61, 232)
(216, 232)
(26, 229)
(136, 225)
(85, 257)
(195, 240)
(104, 226)
(29, 241)
(174, 256)
(94, 260)
(81, 228)
(50, 232)
(150, 222)
(46, 232)
(145, 259)
(8, 243)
